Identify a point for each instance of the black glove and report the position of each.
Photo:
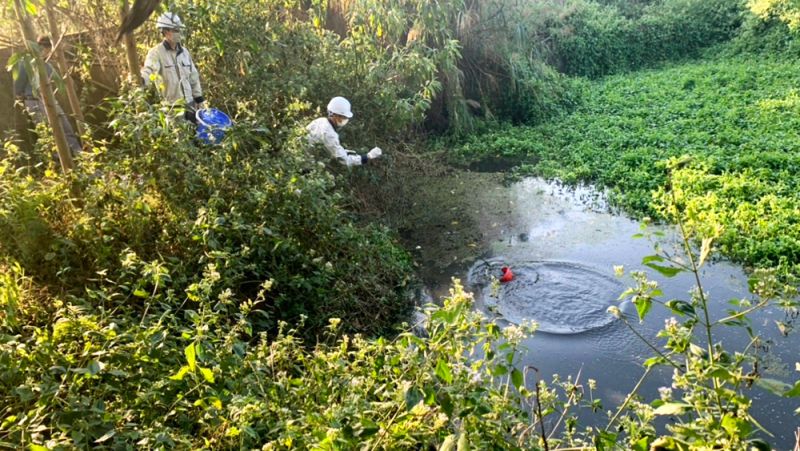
(189, 115)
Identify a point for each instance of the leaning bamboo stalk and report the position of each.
(63, 67)
(45, 87)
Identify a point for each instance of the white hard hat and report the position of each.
(340, 106)
(170, 21)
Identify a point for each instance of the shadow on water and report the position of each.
(562, 245)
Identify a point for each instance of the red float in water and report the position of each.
(508, 276)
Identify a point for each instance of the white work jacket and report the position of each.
(321, 131)
(177, 71)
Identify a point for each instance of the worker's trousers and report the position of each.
(35, 108)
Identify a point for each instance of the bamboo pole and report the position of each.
(45, 86)
(63, 67)
(130, 45)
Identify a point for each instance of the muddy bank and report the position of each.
(445, 217)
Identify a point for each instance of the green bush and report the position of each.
(590, 39)
(153, 203)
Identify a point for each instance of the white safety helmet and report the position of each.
(169, 21)
(340, 106)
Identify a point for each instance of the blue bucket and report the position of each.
(211, 125)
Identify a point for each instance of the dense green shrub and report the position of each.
(86, 375)
(591, 39)
(153, 201)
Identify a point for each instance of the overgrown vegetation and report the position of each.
(171, 295)
(731, 123)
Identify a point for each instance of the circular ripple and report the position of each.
(563, 298)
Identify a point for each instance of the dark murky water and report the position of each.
(561, 297)
(562, 246)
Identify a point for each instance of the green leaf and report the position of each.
(413, 397)
(207, 373)
(759, 444)
(666, 271)
(794, 392)
(643, 444)
(140, 293)
(652, 361)
(721, 373)
(180, 374)
(368, 428)
(605, 440)
(652, 258)
(8, 421)
(643, 305)
(681, 307)
(94, 367)
(191, 356)
(516, 378)
(775, 386)
(443, 371)
(672, 408)
(30, 7)
(736, 426)
(499, 370)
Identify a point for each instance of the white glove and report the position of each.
(374, 153)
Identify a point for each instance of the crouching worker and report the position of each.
(26, 90)
(323, 131)
(171, 61)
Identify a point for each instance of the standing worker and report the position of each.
(172, 63)
(32, 99)
(323, 131)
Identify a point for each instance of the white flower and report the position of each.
(619, 270)
(514, 333)
(614, 310)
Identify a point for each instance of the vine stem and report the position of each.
(629, 397)
(650, 345)
(703, 302)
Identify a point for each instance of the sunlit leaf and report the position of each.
(672, 408)
(652, 258)
(517, 378)
(449, 443)
(30, 7)
(180, 374)
(463, 442)
(207, 374)
(191, 356)
(643, 305)
(666, 271)
(736, 426)
(106, 436)
(704, 251)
